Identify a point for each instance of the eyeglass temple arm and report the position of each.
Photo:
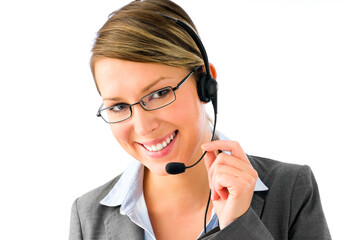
(181, 82)
(98, 113)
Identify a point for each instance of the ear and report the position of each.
(213, 71)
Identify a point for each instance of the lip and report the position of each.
(159, 140)
(165, 151)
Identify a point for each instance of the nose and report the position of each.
(144, 121)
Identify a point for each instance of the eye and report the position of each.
(162, 93)
(121, 107)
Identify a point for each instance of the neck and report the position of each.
(182, 190)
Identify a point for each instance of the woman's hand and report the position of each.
(231, 178)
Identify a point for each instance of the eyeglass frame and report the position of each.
(140, 100)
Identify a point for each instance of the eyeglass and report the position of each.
(152, 101)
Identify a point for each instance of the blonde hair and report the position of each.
(138, 32)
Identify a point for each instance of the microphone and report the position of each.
(175, 168)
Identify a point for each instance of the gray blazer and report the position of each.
(290, 209)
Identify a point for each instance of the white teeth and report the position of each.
(160, 146)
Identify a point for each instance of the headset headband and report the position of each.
(195, 38)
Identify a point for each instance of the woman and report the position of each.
(149, 70)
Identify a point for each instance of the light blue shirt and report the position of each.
(128, 193)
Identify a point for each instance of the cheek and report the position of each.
(120, 132)
(188, 109)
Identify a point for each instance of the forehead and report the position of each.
(115, 77)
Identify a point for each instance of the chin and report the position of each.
(160, 171)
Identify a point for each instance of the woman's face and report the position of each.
(177, 130)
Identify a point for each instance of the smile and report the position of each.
(159, 146)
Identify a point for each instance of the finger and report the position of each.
(223, 193)
(222, 183)
(235, 172)
(231, 146)
(226, 159)
(233, 165)
(219, 190)
(215, 196)
(235, 186)
(224, 170)
(209, 158)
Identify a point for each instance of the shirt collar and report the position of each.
(129, 187)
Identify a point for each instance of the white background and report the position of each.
(288, 74)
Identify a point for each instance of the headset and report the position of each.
(207, 88)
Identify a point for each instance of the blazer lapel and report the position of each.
(259, 196)
(120, 227)
(258, 203)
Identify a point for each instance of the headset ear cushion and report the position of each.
(201, 88)
(206, 88)
(212, 88)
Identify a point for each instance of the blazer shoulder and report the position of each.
(93, 197)
(88, 215)
(271, 171)
(266, 164)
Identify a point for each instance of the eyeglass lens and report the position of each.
(152, 101)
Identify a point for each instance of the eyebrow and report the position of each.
(143, 91)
